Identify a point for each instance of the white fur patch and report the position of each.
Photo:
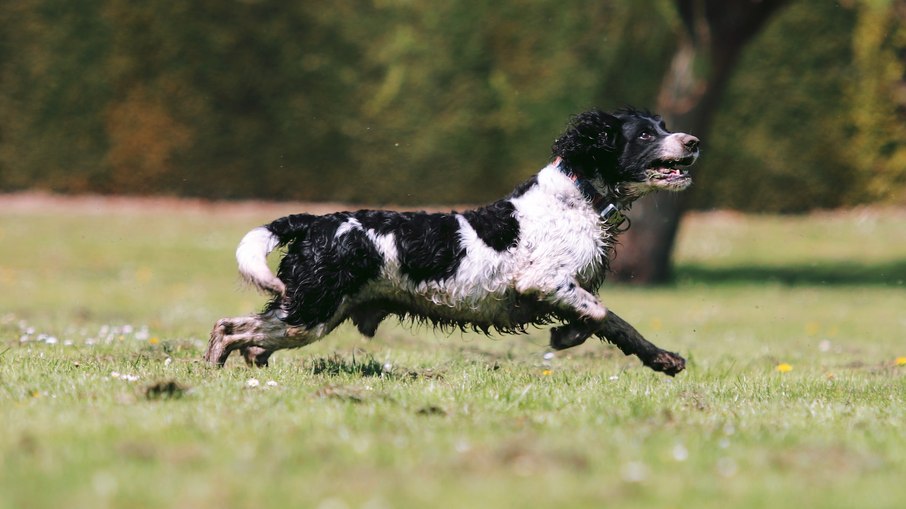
(560, 235)
(673, 146)
(386, 246)
(351, 224)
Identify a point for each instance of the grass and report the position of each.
(104, 403)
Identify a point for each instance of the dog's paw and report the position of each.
(216, 354)
(255, 356)
(568, 336)
(667, 362)
(213, 355)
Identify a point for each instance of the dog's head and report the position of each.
(629, 150)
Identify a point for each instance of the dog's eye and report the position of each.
(646, 136)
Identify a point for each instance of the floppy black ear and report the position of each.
(604, 127)
(590, 132)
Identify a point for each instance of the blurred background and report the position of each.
(801, 104)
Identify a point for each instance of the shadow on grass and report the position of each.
(892, 274)
(336, 365)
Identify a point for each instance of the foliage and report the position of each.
(53, 91)
(819, 118)
(789, 149)
(362, 101)
(399, 101)
(878, 97)
(794, 393)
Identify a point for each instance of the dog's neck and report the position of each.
(607, 204)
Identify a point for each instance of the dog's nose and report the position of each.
(691, 143)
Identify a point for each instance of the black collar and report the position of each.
(608, 212)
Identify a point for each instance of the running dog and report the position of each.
(535, 257)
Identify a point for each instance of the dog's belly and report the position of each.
(504, 310)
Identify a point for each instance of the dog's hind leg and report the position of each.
(232, 333)
(255, 356)
(256, 337)
(617, 331)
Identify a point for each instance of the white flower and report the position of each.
(124, 376)
(271, 383)
(252, 382)
(635, 472)
(680, 453)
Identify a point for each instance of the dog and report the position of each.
(533, 258)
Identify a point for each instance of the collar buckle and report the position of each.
(611, 214)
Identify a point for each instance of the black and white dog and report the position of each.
(536, 257)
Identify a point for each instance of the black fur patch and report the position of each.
(318, 270)
(288, 227)
(591, 144)
(495, 224)
(428, 244)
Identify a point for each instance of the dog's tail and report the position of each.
(252, 257)
(258, 243)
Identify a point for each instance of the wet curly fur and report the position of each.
(535, 257)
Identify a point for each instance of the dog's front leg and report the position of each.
(591, 317)
(586, 312)
(617, 331)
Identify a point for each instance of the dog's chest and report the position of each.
(560, 238)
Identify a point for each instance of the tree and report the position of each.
(712, 36)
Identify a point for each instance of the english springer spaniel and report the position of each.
(535, 257)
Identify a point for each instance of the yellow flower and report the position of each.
(154, 341)
(143, 274)
(901, 361)
(783, 368)
(547, 372)
(657, 324)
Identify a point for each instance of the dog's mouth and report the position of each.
(670, 173)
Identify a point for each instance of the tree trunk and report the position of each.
(715, 32)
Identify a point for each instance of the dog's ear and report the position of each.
(608, 127)
(591, 131)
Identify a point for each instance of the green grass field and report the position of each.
(794, 396)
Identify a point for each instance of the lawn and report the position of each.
(794, 394)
